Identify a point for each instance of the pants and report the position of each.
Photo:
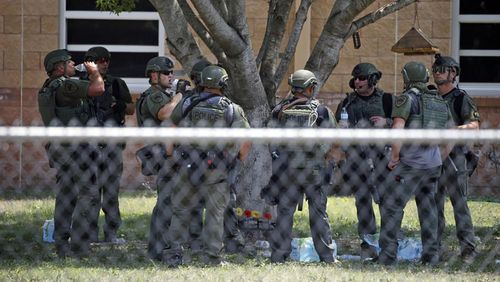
(403, 183)
(110, 165)
(454, 180)
(162, 212)
(214, 191)
(366, 179)
(300, 182)
(76, 198)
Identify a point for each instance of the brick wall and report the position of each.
(28, 33)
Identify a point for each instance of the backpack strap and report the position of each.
(387, 104)
(458, 103)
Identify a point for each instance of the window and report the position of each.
(476, 44)
(131, 37)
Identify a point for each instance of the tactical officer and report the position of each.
(415, 169)
(301, 168)
(110, 108)
(203, 168)
(65, 102)
(367, 107)
(153, 108)
(455, 174)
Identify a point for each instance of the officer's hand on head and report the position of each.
(183, 86)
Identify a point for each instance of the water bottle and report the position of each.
(174, 85)
(80, 68)
(48, 231)
(344, 118)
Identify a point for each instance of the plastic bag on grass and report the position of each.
(303, 250)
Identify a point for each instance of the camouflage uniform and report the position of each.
(202, 172)
(418, 171)
(77, 192)
(301, 172)
(147, 115)
(454, 179)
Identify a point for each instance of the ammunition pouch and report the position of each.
(199, 162)
(152, 158)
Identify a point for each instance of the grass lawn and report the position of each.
(23, 255)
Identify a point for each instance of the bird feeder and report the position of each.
(415, 42)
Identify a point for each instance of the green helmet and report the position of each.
(213, 77)
(415, 72)
(301, 79)
(367, 70)
(445, 61)
(196, 70)
(53, 57)
(159, 64)
(97, 53)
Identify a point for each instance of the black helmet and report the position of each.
(213, 77)
(414, 72)
(445, 61)
(301, 79)
(367, 70)
(197, 69)
(97, 53)
(159, 64)
(53, 57)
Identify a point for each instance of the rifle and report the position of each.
(371, 181)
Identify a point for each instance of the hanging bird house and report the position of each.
(414, 42)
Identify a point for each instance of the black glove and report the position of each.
(182, 86)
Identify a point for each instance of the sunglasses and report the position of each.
(439, 69)
(169, 72)
(361, 77)
(102, 60)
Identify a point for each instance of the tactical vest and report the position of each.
(361, 110)
(143, 113)
(216, 111)
(299, 115)
(428, 110)
(47, 101)
(103, 104)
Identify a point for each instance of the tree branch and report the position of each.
(300, 18)
(378, 14)
(278, 19)
(202, 32)
(265, 45)
(225, 35)
(180, 41)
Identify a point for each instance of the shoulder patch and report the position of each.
(157, 98)
(70, 86)
(400, 100)
(475, 114)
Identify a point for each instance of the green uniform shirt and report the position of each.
(150, 103)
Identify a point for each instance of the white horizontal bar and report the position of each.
(479, 53)
(106, 15)
(258, 135)
(479, 18)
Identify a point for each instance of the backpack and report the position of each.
(47, 100)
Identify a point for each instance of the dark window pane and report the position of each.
(124, 32)
(89, 5)
(485, 36)
(482, 7)
(123, 64)
(480, 69)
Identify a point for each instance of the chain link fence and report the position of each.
(114, 195)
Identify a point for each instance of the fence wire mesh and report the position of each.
(127, 195)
